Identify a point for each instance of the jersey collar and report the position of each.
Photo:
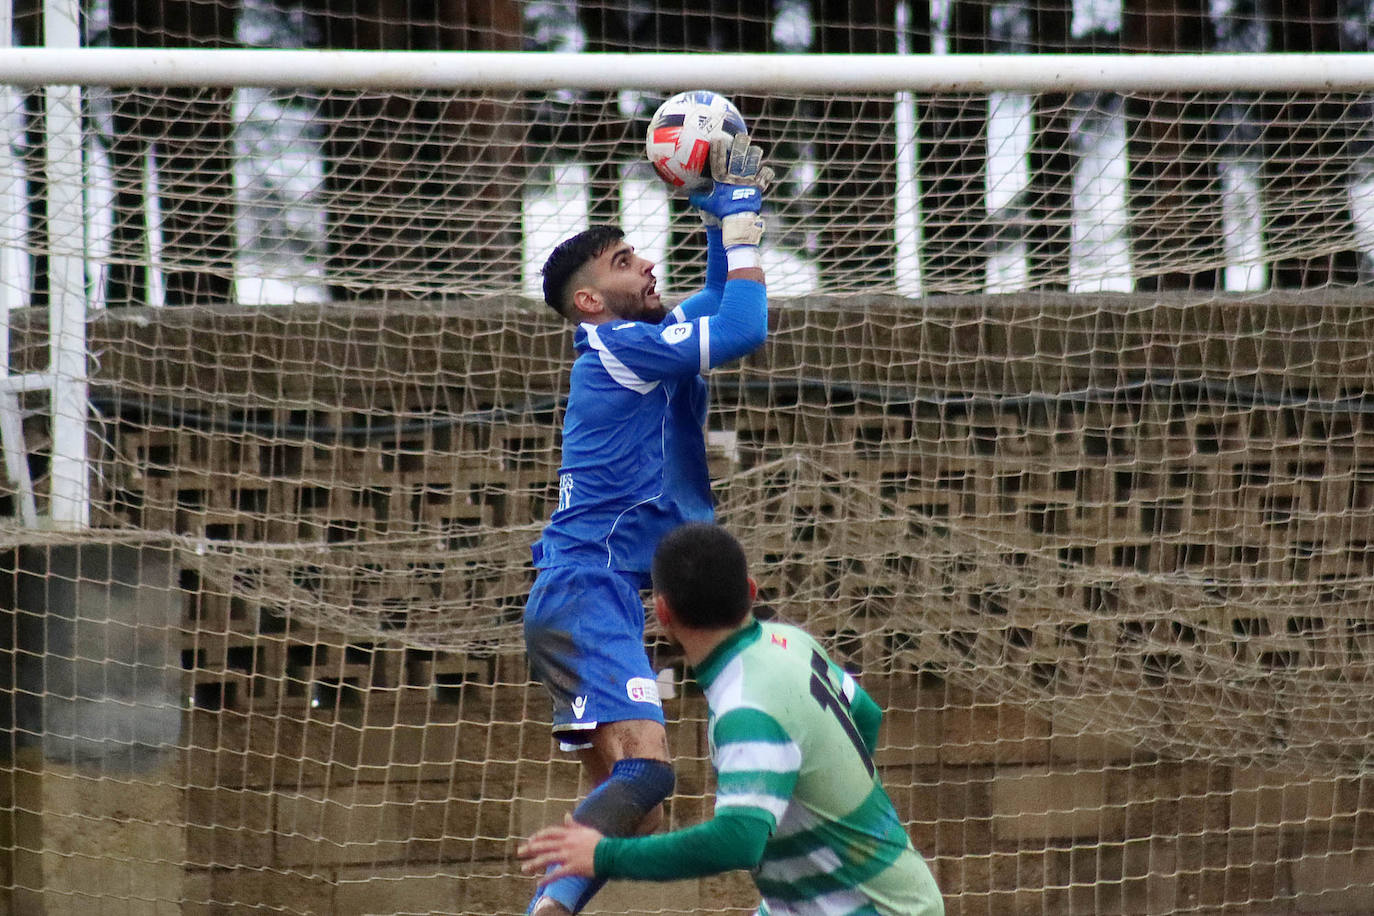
(580, 335)
(720, 656)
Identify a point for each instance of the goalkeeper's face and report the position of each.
(626, 286)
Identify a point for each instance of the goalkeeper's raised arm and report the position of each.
(731, 212)
(735, 199)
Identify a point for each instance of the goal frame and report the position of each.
(511, 70)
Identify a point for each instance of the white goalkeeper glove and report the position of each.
(734, 160)
(736, 195)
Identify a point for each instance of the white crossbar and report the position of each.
(670, 72)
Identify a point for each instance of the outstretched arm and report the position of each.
(741, 325)
(735, 198)
(731, 218)
(726, 842)
(706, 301)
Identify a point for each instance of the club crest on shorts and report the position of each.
(642, 690)
(579, 706)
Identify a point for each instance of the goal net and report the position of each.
(1062, 437)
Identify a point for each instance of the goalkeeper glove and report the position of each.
(736, 194)
(734, 160)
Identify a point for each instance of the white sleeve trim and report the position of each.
(620, 373)
(848, 686)
(705, 326)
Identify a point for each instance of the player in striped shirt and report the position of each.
(798, 799)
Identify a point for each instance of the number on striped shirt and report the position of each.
(830, 699)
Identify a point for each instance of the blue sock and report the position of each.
(635, 787)
(573, 892)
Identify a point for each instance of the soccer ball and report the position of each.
(679, 140)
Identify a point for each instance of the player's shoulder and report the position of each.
(620, 335)
(598, 335)
(775, 665)
(778, 633)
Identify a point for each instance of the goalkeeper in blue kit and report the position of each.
(633, 467)
(798, 799)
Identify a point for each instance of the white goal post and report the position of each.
(669, 72)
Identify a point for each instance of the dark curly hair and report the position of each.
(569, 257)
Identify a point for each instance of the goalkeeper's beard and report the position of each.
(634, 306)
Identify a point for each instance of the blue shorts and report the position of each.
(584, 636)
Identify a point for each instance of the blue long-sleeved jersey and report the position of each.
(634, 451)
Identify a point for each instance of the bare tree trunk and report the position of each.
(1052, 159)
(480, 156)
(1305, 171)
(196, 183)
(418, 184)
(28, 24)
(606, 137)
(856, 185)
(1173, 184)
(356, 151)
(953, 136)
(39, 239)
(126, 276)
(188, 133)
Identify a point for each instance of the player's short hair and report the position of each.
(570, 256)
(701, 570)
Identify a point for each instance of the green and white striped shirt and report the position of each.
(786, 750)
